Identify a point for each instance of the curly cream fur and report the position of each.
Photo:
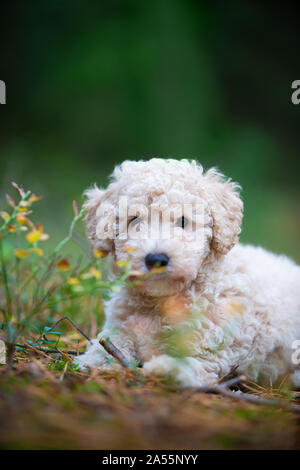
(237, 306)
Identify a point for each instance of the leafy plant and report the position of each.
(39, 285)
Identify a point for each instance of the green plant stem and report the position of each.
(70, 234)
(15, 211)
(57, 249)
(5, 283)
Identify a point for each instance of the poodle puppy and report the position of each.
(199, 304)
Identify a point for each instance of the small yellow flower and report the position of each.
(44, 236)
(23, 220)
(22, 209)
(21, 253)
(63, 265)
(129, 249)
(100, 254)
(73, 281)
(38, 251)
(33, 236)
(34, 198)
(95, 273)
(11, 228)
(37, 234)
(122, 264)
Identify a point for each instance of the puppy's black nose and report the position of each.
(156, 260)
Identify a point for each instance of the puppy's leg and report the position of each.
(189, 371)
(96, 356)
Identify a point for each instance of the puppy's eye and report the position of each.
(182, 222)
(134, 221)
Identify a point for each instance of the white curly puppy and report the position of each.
(213, 305)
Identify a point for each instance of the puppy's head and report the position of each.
(170, 217)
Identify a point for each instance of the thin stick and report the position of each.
(47, 351)
(42, 353)
(218, 388)
(66, 317)
(61, 378)
(223, 389)
(115, 352)
(234, 381)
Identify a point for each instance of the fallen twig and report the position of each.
(61, 378)
(66, 317)
(46, 350)
(115, 352)
(224, 390)
(37, 350)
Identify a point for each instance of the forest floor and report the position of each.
(46, 403)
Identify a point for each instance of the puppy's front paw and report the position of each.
(186, 372)
(168, 367)
(160, 366)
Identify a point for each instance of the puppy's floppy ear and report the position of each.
(226, 210)
(95, 197)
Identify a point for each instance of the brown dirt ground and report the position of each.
(42, 408)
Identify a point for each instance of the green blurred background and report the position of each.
(91, 83)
